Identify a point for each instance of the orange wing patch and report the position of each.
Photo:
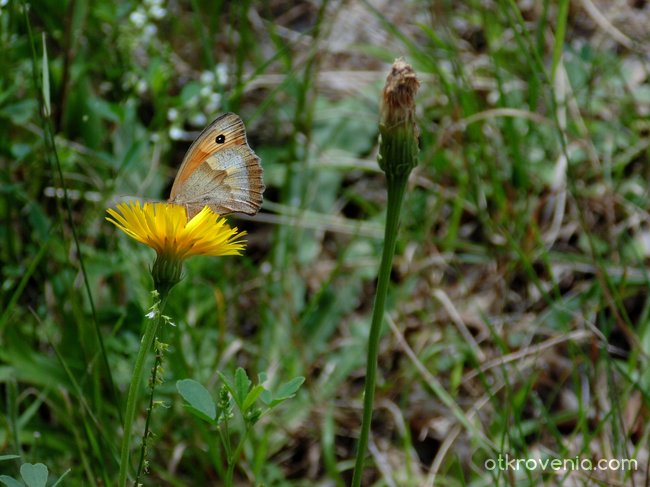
(220, 170)
(229, 126)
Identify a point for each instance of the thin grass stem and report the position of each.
(53, 156)
(145, 435)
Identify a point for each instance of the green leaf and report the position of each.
(286, 391)
(20, 112)
(242, 385)
(10, 481)
(198, 398)
(266, 396)
(62, 477)
(252, 396)
(8, 457)
(46, 81)
(289, 389)
(191, 90)
(34, 475)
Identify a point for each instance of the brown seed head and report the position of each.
(398, 132)
(398, 100)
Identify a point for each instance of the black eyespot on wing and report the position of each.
(220, 139)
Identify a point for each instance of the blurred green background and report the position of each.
(518, 317)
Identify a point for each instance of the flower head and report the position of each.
(398, 97)
(165, 228)
(398, 148)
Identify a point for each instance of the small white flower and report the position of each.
(222, 73)
(157, 12)
(198, 119)
(172, 114)
(205, 91)
(207, 77)
(138, 18)
(176, 133)
(150, 30)
(141, 87)
(151, 314)
(214, 102)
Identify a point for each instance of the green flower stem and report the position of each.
(396, 188)
(398, 155)
(232, 459)
(136, 383)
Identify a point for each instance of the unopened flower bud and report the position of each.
(398, 145)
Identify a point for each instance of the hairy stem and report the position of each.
(134, 388)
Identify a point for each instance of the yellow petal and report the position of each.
(165, 228)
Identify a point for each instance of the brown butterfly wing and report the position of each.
(220, 170)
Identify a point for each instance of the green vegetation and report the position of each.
(517, 320)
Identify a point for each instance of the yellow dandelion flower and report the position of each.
(165, 228)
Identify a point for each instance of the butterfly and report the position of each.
(220, 170)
